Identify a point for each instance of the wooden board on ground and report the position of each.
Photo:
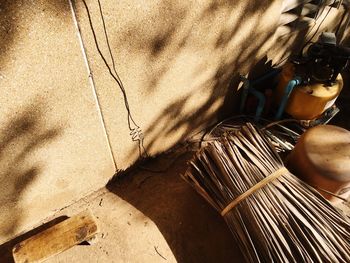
(56, 239)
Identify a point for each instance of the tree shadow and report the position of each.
(221, 85)
(24, 134)
(194, 231)
(180, 28)
(187, 115)
(163, 39)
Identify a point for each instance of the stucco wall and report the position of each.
(53, 148)
(179, 62)
(176, 59)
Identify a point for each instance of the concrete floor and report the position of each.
(149, 216)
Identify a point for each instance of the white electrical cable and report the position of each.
(91, 80)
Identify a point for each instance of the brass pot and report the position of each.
(322, 159)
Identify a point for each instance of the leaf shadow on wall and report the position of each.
(20, 139)
(185, 116)
(165, 37)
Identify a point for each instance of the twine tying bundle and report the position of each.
(253, 189)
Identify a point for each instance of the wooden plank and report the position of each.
(56, 239)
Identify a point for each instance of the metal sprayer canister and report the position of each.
(307, 102)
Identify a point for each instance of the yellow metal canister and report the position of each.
(307, 102)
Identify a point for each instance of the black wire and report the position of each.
(120, 83)
(135, 132)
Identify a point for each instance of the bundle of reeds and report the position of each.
(274, 216)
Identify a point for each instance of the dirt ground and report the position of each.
(152, 215)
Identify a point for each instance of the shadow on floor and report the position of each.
(194, 231)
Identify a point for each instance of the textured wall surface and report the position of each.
(176, 59)
(53, 149)
(179, 62)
